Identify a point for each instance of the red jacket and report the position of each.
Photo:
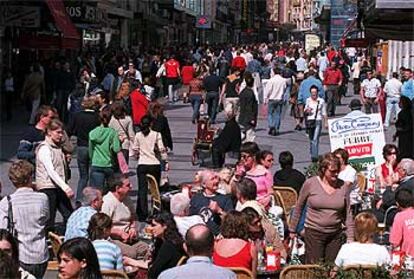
(332, 76)
(239, 62)
(172, 68)
(139, 105)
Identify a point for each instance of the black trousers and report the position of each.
(142, 200)
(57, 201)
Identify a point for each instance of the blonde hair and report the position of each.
(365, 227)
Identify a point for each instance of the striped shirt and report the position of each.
(109, 255)
(30, 214)
(78, 222)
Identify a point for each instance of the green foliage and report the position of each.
(311, 170)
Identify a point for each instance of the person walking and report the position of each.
(146, 144)
(33, 91)
(51, 177)
(274, 98)
(315, 111)
(370, 93)
(172, 74)
(196, 96)
(248, 109)
(230, 90)
(212, 85)
(331, 81)
(393, 90)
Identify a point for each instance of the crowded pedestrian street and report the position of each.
(207, 139)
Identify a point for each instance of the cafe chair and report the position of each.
(278, 200)
(388, 212)
(289, 197)
(182, 261)
(361, 271)
(306, 271)
(242, 273)
(56, 242)
(154, 192)
(114, 274)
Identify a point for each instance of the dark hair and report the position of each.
(234, 225)
(247, 189)
(250, 214)
(105, 116)
(6, 236)
(155, 109)
(171, 233)
(115, 181)
(98, 223)
(405, 103)
(404, 198)
(82, 250)
(285, 159)
(250, 148)
(248, 78)
(314, 87)
(199, 243)
(343, 153)
(8, 267)
(42, 111)
(325, 161)
(277, 70)
(261, 155)
(386, 150)
(118, 110)
(395, 75)
(146, 123)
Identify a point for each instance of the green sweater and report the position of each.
(103, 146)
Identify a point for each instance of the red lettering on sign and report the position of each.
(359, 150)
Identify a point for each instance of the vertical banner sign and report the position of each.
(363, 137)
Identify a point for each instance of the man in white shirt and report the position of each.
(273, 96)
(370, 91)
(179, 207)
(393, 90)
(301, 65)
(323, 64)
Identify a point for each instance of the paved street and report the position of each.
(183, 133)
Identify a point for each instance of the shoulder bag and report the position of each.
(311, 123)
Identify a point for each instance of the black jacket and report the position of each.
(248, 108)
(160, 125)
(230, 138)
(289, 177)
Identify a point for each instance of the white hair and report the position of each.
(179, 204)
(89, 195)
(407, 165)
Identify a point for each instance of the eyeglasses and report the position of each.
(245, 156)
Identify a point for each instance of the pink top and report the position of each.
(402, 231)
(263, 179)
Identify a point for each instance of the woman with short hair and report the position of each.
(363, 251)
(328, 209)
(235, 249)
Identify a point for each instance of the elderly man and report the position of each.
(118, 206)
(405, 171)
(78, 222)
(209, 204)
(179, 207)
(30, 214)
(199, 245)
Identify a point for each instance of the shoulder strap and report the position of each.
(123, 128)
(317, 109)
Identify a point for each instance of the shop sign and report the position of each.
(312, 41)
(363, 137)
(203, 22)
(20, 16)
(85, 13)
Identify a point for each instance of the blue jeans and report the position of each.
(83, 166)
(99, 175)
(274, 112)
(212, 99)
(314, 135)
(392, 107)
(195, 103)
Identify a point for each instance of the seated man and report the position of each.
(199, 245)
(118, 206)
(78, 221)
(402, 231)
(228, 140)
(209, 204)
(288, 176)
(179, 207)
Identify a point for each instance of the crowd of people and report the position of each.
(228, 217)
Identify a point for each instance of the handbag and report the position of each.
(10, 221)
(311, 123)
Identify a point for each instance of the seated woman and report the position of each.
(364, 251)
(109, 254)
(168, 246)
(235, 249)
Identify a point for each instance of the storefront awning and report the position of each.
(62, 20)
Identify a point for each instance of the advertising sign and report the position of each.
(20, 16)
(312, 41)
(362, 135)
